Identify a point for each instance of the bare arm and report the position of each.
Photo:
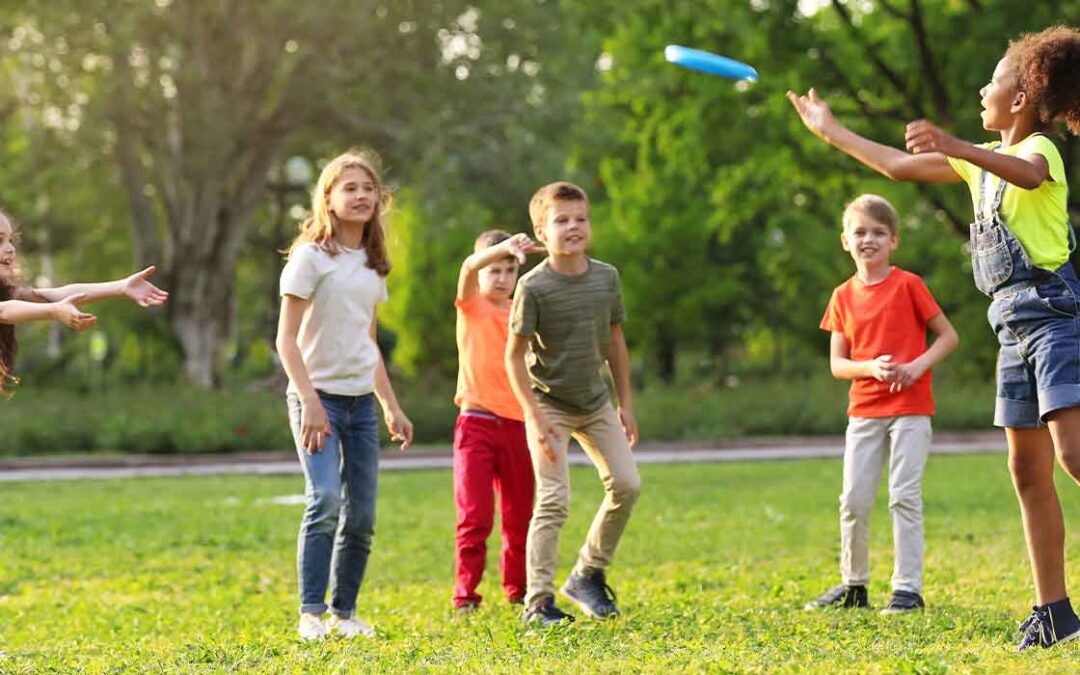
(1025, 171)
(619, 365)
(542, 434)
(401, 428)
(314, 423)
(891, 162)
(516, 246)
(66, 311)
(137, 287)
(945, 342)
(843, 368)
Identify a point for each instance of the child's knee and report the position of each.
(626, 489)
(1069, 458)
(552, 506)
(856, 504)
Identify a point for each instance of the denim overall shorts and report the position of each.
(1036, 315)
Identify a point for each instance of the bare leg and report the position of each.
(1031, 463)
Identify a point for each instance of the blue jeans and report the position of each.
(341, 482)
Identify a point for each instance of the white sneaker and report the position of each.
(351, 627)
(312, 627)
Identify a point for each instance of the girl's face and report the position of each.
(7, 249)
(1001, 100)
(354, 197)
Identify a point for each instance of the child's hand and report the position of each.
(141, 291)
(629, 424)
(542, 434)
(905, 375)
(882, 369)
(68, 313)
(401, 429)
(922, 136)
(314, 426)
(813, 111)
(520, 245)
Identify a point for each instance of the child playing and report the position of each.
(1020, 244)
(334, 278)
(878, 320)
(21, 304)
(566, 326)
(490, 450)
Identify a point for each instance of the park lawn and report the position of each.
(196, 575)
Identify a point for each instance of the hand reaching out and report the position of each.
(813, 111)
(138, 288)
(68, 313)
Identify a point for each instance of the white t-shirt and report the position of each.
(335, 338)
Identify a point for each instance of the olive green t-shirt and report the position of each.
(568, 319)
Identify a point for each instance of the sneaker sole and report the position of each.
(585, 607)
(892, 612)
(1068, 638)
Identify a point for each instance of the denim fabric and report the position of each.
(339, 521)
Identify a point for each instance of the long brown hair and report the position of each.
(9, 346)
(319, 228)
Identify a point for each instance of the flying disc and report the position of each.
(707, 62)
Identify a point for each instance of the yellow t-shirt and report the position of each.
(1038, 218)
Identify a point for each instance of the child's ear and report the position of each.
(1019, 103)
(843, 240)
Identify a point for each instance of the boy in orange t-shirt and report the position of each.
(490, 451)
(878, 320)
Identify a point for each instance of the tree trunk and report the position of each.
(665, 356)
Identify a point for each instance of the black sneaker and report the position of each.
(903, 602)
(589, 591)
(1044, 629)
(545, 612)
(842, 596)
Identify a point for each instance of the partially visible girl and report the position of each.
(21, 304)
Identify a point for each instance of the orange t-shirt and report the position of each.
(885, 318)
(482, 332)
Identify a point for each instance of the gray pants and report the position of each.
(905, 440)
(604, 441)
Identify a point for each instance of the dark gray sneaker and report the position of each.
(841, 596)
(589, 591)
(1044, 629)
(903, 602)
(544, 612)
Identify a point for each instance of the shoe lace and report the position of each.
(602, 590)
(1036, 629)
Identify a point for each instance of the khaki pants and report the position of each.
(905, 440)
(604, 441)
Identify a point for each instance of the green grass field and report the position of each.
(196, 575)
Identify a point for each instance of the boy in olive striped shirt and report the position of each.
(565, 330)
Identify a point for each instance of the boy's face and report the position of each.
(7, 249)
(566, 230)
(869, 242)
(497, 280)
(354, 197)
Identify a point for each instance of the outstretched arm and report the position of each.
(66, 312)
(926, 167)
(137, 287)
(1024, 171)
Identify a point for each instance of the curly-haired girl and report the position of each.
(1020, 245)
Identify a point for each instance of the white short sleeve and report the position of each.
(301, 273)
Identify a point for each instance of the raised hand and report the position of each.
(141, 291)
(521, 245)
(68, 313)
(813, 111)
(923, 136)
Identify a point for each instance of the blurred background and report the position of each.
(188, 135)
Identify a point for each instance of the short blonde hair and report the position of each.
(559, 191)
(876, 208)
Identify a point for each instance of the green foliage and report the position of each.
(198, 575)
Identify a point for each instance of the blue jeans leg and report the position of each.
(360, 472)
(322, 477)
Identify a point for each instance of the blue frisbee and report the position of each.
(710, 63)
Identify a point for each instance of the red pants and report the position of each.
(490, 455)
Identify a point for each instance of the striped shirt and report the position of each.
(568, 319)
